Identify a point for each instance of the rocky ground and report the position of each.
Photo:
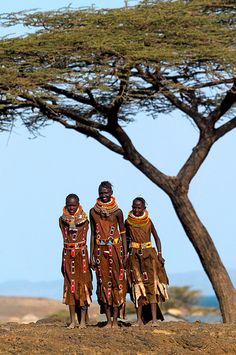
(50, 336)
(44, 334)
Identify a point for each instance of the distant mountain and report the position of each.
(197, 280)
(53, 289)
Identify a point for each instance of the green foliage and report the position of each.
(131, 56)
(163, 33)
(182, 297)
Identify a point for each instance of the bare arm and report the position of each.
(92, 238)
(120, 220)
(158, 243)
(128, 239)
(61, 227)
(62, 231)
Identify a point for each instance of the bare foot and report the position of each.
(155, 323)
(108, 325)
(71, 326)
(82, 326)
(137, 324)
(115, 325)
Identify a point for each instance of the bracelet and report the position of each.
(123, 232)
(159, 252)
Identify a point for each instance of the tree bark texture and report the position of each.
(208, 255)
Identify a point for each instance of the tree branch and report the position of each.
(74, 114)
(91, 132)
(119, 99)
(79, 98)
(54, 112)
(68, 94)
(226, 104)
(131, 154)
(194, 162)
(210, 84)
(157, 82)
(89, 128)
(225, 128)
(196, 116)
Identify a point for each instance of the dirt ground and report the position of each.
(50, 336)
(47, 334)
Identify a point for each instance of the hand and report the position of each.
(92, 264)
(161, 259)
(126, 261)
(62, 270)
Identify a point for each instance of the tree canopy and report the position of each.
(137, 55)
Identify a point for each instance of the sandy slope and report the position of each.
(30, 309)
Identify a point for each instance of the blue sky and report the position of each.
(37, 174)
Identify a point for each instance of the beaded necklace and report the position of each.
(73, 220)
(138, 221)
(106, 209)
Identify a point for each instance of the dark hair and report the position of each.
(141, 199)
(72, 196)
(105, 184)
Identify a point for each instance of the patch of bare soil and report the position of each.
(16, 308)
(50, 336)
(30, 309)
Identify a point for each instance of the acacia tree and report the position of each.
(92, 71)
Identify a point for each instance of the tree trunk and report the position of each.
(208, 255)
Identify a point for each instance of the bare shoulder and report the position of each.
(91, 213)
(119, 213)
(91, 210)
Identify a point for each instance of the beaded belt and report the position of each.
(78, 245)
(108, 241)
(141, 245)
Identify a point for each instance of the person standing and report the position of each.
(75, 266)
(146, 273)
(108, 253)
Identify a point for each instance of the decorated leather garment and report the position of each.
(108, 255)
(146, 275)
(75, 266)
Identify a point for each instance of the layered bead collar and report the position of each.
(138, 221)
(106, 209)
(73, 220)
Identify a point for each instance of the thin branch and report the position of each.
(100, 108)
(89, 128)
(79, 98)
(91, 132)
(226, 104)
(196, 116)
(119, 99)
(68, 94)
(54, 112)
(75, 115)
(225, 128)
(157, 82)
(210, 84)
